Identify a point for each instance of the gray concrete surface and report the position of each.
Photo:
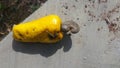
(93, 47)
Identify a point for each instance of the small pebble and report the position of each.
(98, 29)
(84, 58)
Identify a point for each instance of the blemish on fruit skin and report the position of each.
(20, 34)
(19, 39)
(33, 29)
(27, 32)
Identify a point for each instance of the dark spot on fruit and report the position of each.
(19, 39)
(20, 34)
(53, 36)
(33, 29)
(27, 32)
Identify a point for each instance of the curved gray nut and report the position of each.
(70, 27)
(65, 28)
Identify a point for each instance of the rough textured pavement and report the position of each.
(95, 46)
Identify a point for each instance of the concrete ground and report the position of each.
(95, 46)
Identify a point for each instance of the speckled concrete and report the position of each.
(95, 46)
